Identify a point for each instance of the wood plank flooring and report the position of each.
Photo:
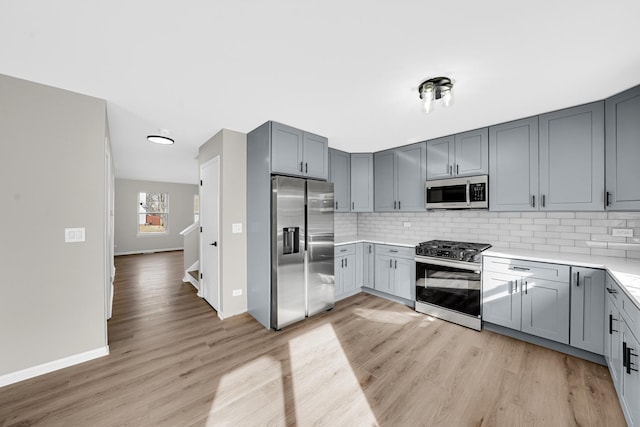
(369, 361)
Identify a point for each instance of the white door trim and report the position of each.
(218, 309)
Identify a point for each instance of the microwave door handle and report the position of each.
(468, 193)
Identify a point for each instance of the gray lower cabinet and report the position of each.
(345, 270)
(395, 271)
(622, 113)
(463, 154)
(368, 264)
(528, 296)
(361, 182)
(572, 159)
(622, 348)
(298, 153)
(587, 308)
(340, 175)
(513, 166)
(399, 177)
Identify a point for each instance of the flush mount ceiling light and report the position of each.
(161, 138)
(433, 89)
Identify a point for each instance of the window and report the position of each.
(153, 213)
(196, 208)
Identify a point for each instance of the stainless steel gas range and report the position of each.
(448, 281)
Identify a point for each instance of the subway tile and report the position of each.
(583, 222)
(521, 221)
(521, 233)
(608, 252)
(510, 239)
(608, 223)
(591, 244)
(608, 238)
(534, 227)
(633, 254)
(624, 215)
(546, 248)
(561, 242)
(574, 250)
(534, 240)
(560, 228)
(624, 246)
(510, 215)
(526, 246)
(591, 230)
(534, 215)
(575, 236)
(547, 221)
(591, 215)
(498, 220)
(561, 215)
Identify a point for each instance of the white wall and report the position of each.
(126, 215)
(52, 176)
(231, 146)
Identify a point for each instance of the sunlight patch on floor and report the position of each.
(318, 381)
(255, 387)
(384, 316)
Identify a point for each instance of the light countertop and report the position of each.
(378, 242)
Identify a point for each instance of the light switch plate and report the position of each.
(237, 292)
(236, 228)
(74, 235)
(622, 232)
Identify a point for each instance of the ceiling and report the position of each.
(347, 70)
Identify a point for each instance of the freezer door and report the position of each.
(287, 251)
(320, 274)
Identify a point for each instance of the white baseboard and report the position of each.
(45, 368)
(147, 251)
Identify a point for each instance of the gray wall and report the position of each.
(231, 146)
(126, 215)
(52, 176)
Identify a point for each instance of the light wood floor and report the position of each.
(367, 362)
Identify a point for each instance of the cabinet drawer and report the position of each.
(396, 251)
(541, 270)
(630, 313)
(343, 250)
(612, 289)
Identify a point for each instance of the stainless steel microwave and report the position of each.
(469, 192)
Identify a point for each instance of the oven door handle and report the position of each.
(453, 264)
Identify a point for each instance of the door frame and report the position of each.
(216, 159)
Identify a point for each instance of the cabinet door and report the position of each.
(362, 182)
(587, 308)
(630, 377)
(572, 159)
(339, 174)
(368, 265)
(338, 267)
(286, 150)
(440, 154)
(545, 309)
(471, 153)
(613, 341)
(383, 281)
(501, 299)
(315, 156)
(384, 200)
(513, 166)
(349, 274)
(404, 271)
(410, 177)
(623, 150)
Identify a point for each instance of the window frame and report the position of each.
(165, 213)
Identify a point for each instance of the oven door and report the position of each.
(449, 284)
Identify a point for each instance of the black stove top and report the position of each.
(460, 251)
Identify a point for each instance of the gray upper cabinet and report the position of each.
(440, 153)
(339, 174)
(513, 166)
(286, 149)
(399, 177)
(463, 154)
(298, 153)
(362, 182)
(623, 150)
(587, 309)
(571, 159)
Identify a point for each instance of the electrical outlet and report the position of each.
(622, 232)
(406, 224)
(236, 228)
(237, 292)
(74, 235)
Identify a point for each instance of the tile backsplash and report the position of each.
(572, 232)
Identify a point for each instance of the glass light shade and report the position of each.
(427, 98)
(447, 97)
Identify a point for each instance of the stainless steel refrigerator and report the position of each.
(302, 273)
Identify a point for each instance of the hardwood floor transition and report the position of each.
(369, 361)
